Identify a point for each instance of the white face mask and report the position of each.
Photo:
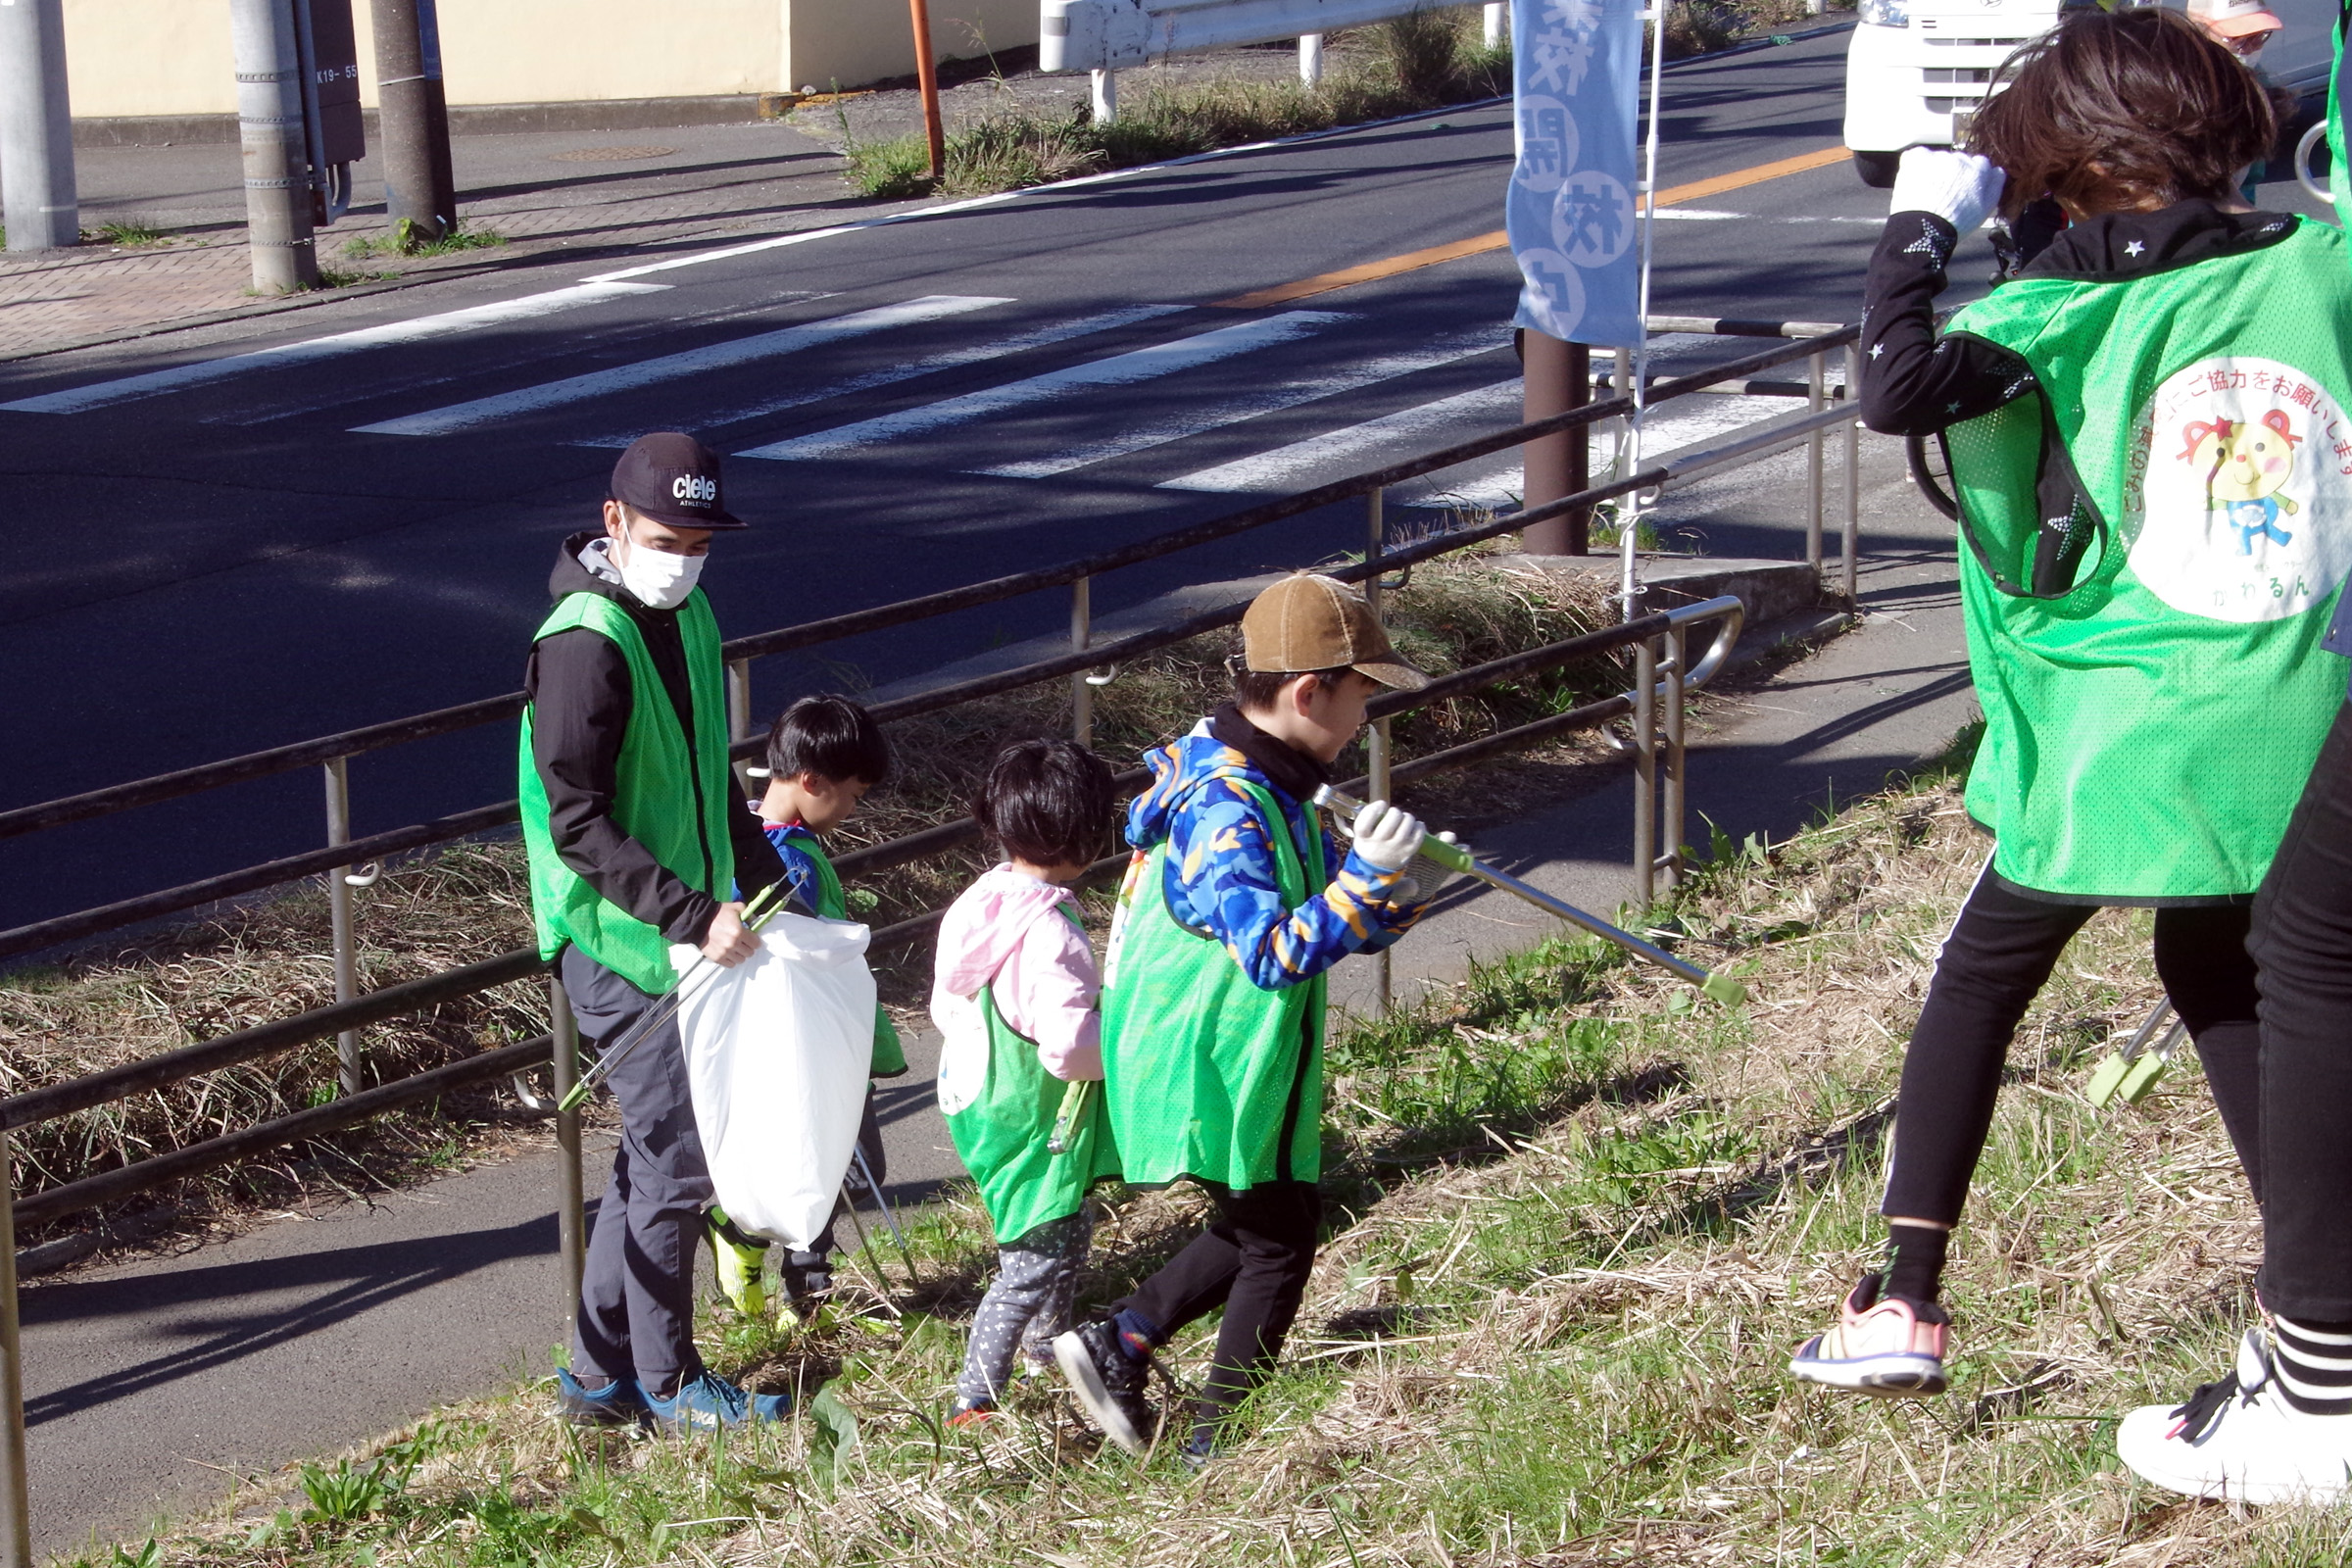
(659, 580)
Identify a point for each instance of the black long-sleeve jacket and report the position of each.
(578, 686)
(1915, 382)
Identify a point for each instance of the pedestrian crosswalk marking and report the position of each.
(1271, 469)
(286, 356)
(1283, 395)
(930, 364)
(676, 367)
(1121, 369)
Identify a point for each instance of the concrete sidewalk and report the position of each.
(154, 1381)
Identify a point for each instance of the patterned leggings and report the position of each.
(1027, 1305)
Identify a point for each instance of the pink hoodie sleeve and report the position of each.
(1048, 989)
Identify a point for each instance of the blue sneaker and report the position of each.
(616, 1404)
(708, 1402)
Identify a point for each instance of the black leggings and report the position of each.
(2303, 936)
(2000, 953)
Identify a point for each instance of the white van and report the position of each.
(1916, 70)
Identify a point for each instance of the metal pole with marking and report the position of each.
(1678, 657)
(572, 1218)
(36, 129)
(338, 910)
(276, 157)
(926, 75)
(1375, 744)
(1815, 402)
(1852, 535)
(1310, 57)
(1646, 769)
(1082, 690)
(1497, 25)
(16, 1505)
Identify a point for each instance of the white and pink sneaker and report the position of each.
(1887, 1348)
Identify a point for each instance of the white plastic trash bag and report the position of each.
(778, 1051)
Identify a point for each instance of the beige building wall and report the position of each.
(171, 57)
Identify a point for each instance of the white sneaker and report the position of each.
(2240, 1439)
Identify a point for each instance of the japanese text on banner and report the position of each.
(1570, 210)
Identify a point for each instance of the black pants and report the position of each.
(1253, 1261)
(2000, 953)
(637, 1288)
(2303, 938)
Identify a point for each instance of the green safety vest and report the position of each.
(890, 1057)
(1001, 1135)
(674, 804)
(2156, 536)
(1208, 1076)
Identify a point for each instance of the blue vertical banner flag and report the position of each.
(1570, 211)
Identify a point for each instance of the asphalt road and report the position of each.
(326, 536)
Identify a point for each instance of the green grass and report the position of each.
(1576, 1222)
(131, 236)
(406, 239)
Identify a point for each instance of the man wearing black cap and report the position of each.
(638, 840)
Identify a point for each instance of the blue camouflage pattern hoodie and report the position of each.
(1219, 875)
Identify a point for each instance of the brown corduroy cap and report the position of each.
(1309, 623)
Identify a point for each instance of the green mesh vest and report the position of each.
(1001, 1135)
(2155, 537)
(1207, 1075)
(890, 1055)
(675, 804)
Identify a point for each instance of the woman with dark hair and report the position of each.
(2147, 435)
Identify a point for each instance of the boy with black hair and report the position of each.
(824, 753)
(1013, 992)
(1213, 994)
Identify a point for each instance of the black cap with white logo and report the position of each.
(672, 478)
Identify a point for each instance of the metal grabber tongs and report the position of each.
(763, 907)
(1454, 857)
(2129, 1072)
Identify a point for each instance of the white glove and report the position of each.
(1386, 837)
(1960, 188)
(1424, 878)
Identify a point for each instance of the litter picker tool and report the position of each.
(763, 905)
(1454, 857)
(2130, 1073)
(1077, 1099)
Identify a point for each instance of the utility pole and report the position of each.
(1558, 377)
(412, 119)
(36, 129)
(271, 122)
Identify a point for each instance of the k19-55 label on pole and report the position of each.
(1570, 210)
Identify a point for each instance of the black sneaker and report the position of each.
(808, 1287)
(1109, 1387)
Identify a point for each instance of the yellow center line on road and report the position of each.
(1414, 261)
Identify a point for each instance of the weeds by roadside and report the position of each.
(406, 239)
(1578, 1222)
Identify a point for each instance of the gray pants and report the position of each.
(1027, 1305)
(637, 1289)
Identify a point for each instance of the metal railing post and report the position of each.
(16, 1505)
(1815, 373)
(338, 907)
(1376, 743)
(738, 713)
(1852, 540)
(572, 1220)
(1646, 769)
(1082, 690)
(1678, 651)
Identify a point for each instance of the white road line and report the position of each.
(98, 394)
(1283, 395)
(1120, 370)
(974, 354)
(1272, 469)
(1676, 427)
(674, 366)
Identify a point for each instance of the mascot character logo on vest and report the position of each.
(2240, 503)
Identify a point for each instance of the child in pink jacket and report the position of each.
(1014, 995)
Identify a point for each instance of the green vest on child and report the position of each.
(674, 804)
(2156, 536)
(1207, 1075)
(1001, 1135)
